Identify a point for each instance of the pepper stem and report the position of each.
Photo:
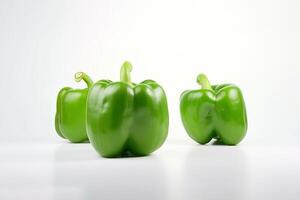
(203, 81)
(83, 76)
(125, 72)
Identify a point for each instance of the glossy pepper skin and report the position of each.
(70, 115)
(123, 117)
(216, 111)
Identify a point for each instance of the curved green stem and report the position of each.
(83, 76)
(125, 72)
(203, 81)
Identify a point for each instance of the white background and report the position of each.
(254, 44)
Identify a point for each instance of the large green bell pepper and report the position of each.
(214, 112)
(123, 117)
(71, 111)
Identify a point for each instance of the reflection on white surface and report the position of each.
(176, 171)
(213, 174)
(81, 170)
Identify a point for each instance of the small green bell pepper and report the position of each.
(123, 117)
(216, 111)
(71, 111)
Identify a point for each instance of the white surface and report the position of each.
(176, 171)
(253, 43)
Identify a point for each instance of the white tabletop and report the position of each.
(176, 171)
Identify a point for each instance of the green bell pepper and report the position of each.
(127, 118)
(216, 111)
(71, 111)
